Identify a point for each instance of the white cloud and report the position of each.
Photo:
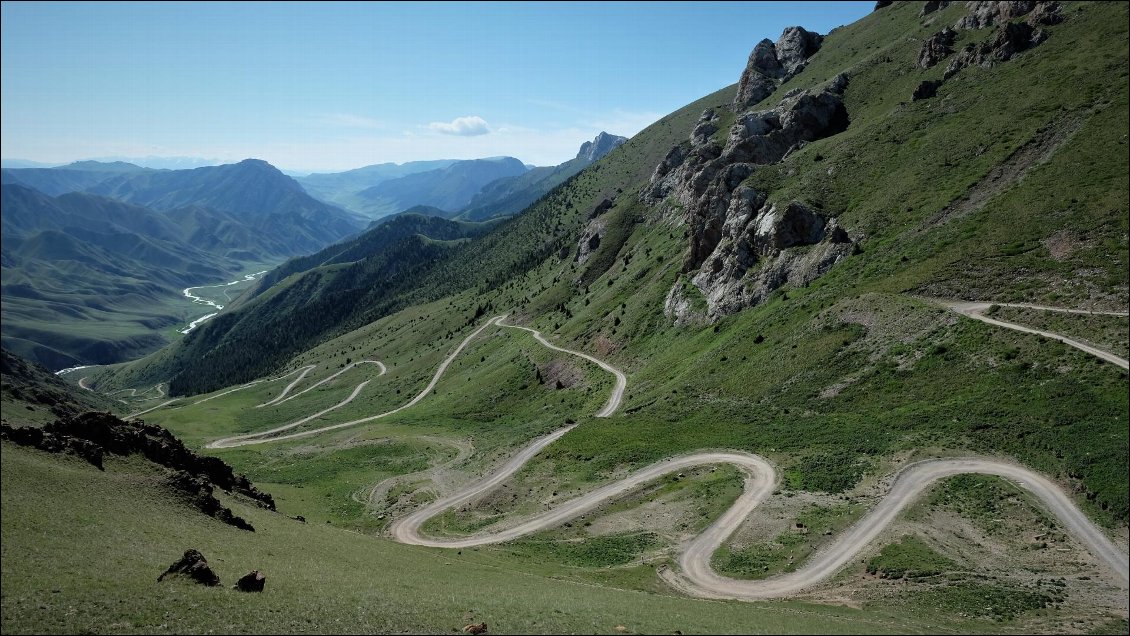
(462, 126)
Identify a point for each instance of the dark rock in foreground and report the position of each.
(193, 565)
(251, 582)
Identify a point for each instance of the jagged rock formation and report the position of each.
(593, 232)
(202, 496)
(988, 13)
(936, 48)
(603, 144)
(1010, 39)
(47, 441)
(194, 566)
(92, 435)
(732, 226)
(758, 252)
(771, 64)
(1007, 41)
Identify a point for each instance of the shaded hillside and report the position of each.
(377, 240)
(254, 191)
(33, 395)
(88, 279)
(511, 195)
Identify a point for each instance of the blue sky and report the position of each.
(335, 86)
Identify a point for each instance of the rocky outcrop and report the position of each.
(602, 207)
(936, 48)
(52, 443)
(882, 4)
(745, 246)
(931, 6)
(681, 306)
(771, 63)
(794, 47)
(194, 566)
(603, 144)
(590, 239)
(764, 246)
(253, 581)
(201, 495)
(1009, 40)
(93, 435)
(986, 13)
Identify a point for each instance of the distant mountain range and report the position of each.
(384, 189)
(339, 188)
(511, 195)
(475, 190)
(95, 254)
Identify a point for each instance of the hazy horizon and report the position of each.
(331, 87)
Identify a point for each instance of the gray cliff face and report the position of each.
(770, 64)
(603, 144)
(742, 247)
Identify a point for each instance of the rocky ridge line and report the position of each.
(741, 244)
(92, 435)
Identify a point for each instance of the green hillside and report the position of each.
(769, 276)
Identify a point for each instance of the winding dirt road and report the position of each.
(266, 436)
(304, 370)
(621, 381)
(976, 311)
(464, 450)
(282, 397)
(695, 574)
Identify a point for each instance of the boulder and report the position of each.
(194, 566)
(926, 90)
(251, 582)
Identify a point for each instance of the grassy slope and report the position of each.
(850, 371)
(113, 532)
